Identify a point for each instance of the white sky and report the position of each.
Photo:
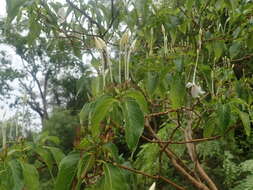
(2, 8)
(3, 108)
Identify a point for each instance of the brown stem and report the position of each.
(193, 153)
(179, 164)
(204, 175)
(183, 142)
(189, 141)
(150, 176)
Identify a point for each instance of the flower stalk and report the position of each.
(124, 45)
(165, 40)
(101, 45)
(196, 90)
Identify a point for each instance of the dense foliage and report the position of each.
(166, 97)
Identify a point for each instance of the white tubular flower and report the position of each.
(125, 38)
(62, 15)
(196, 90)
(163, 29)
(99, 43)
(152, 187)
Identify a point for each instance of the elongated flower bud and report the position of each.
(163, 29)
(152, 187)
(124, 39)
(99, 43)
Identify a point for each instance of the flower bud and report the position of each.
(163, 29)
(125, 38)
(99, 43)
(152, 187)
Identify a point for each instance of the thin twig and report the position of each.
(84, 13)
(150, 176)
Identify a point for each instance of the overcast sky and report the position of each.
(2, 8)
(2, 14)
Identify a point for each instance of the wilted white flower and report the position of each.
(152, 187)
(196, 90)
(100, 44)
(62, 15)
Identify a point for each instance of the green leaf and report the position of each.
(218, 48)
(250, 41)
(34, 30)
(209, 127)
(114, 178)
(242, 91)
(134, 125)
(116, 115)
(151, 82)
(12, 7)
(67, 171)
(84, 165)
(140, 99)
(46, 157)
(102, 108)
(179, 64)
(43, 137)
(84, 114)
(52, 139)
(77, 51)
(246, 121)
(113, 151)
(251, 115)
(177, 92)
(239, 101)
(57, 154)
(31, 177)
(96, 82)
(234, 49)
(173, 35)
(16, 174)
(224, 116)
